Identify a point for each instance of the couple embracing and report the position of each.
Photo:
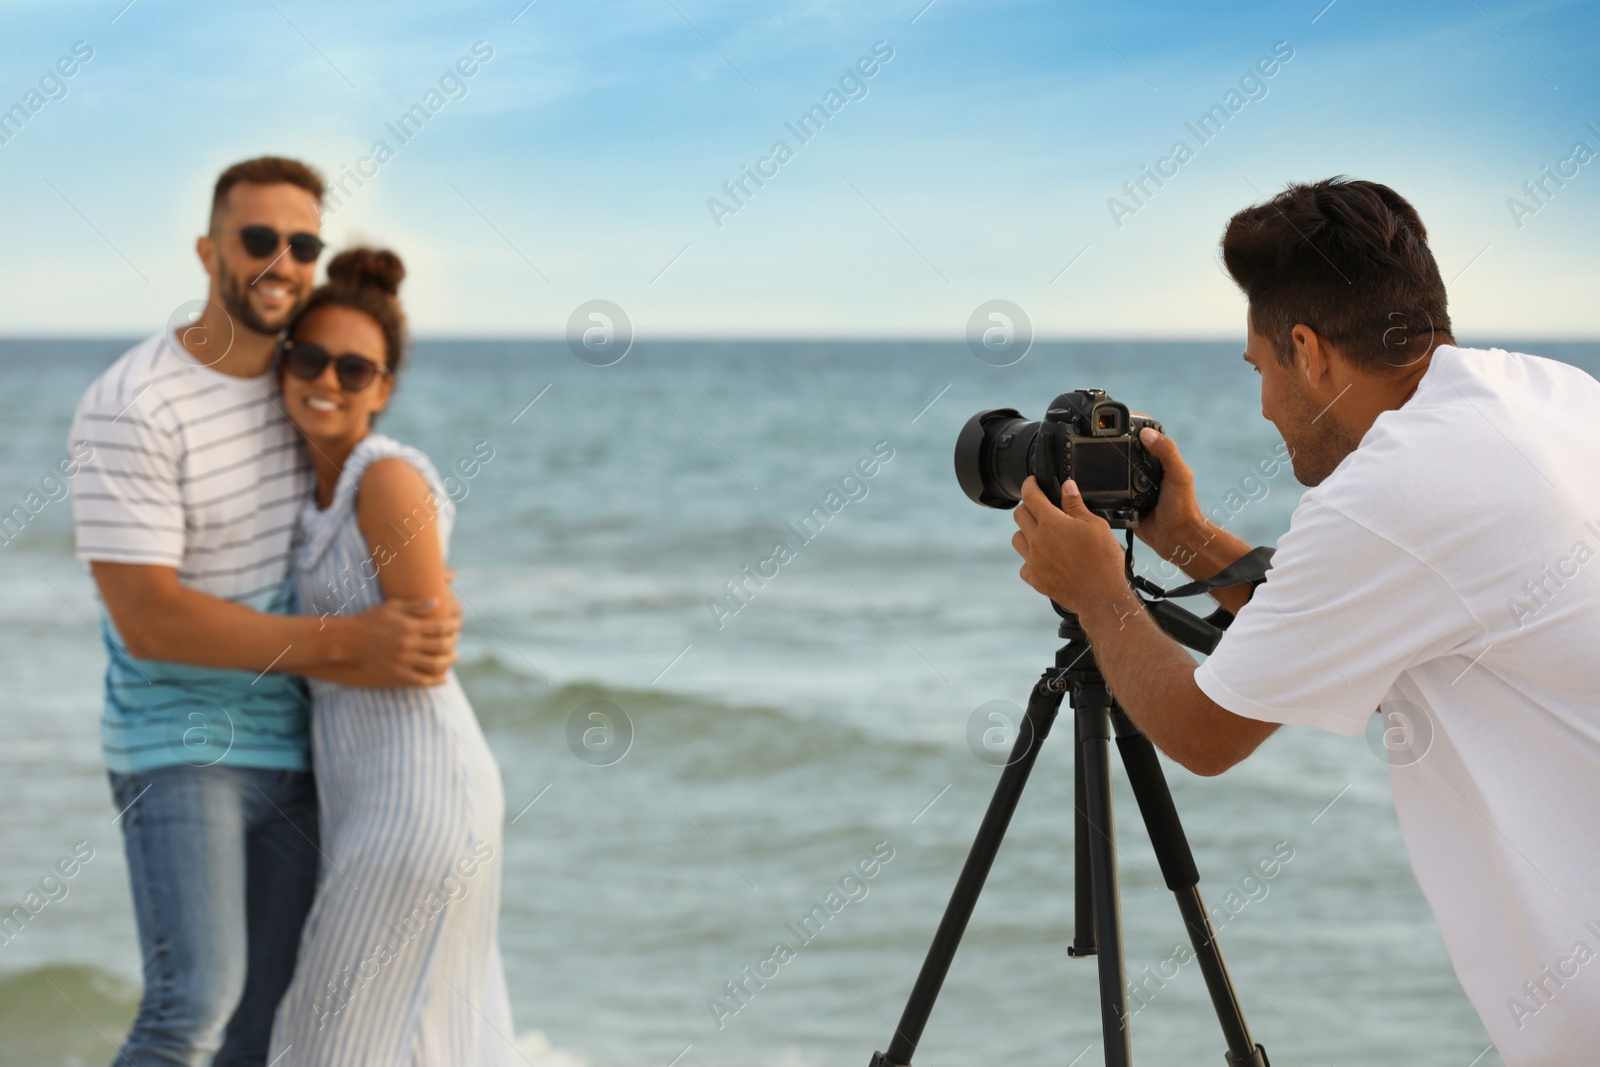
(311, 814)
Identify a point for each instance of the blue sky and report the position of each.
(579, 161)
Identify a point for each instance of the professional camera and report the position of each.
(1085, 436)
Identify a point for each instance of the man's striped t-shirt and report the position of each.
(200, 471)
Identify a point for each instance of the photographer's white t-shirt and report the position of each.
(1447, 576)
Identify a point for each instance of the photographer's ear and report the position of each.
(1310, 354)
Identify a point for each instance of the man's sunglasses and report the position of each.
(262, 241)
(307, 360)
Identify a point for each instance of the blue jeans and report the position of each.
(223, 862)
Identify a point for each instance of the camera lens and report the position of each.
(994, 456)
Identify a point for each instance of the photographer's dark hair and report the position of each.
(1349, 259)
(266, 170)
(366, 280)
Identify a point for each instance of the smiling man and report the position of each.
(186, 516)
(1435, 574)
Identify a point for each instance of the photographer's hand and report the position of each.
(1176, 524)
(1069, 553)
(1071, 556)
(1179, 531)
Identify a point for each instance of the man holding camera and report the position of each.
(1435, 573)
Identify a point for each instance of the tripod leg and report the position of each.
(1183, 878)
(1083, 942)
(1094, 740)
(1043, 705)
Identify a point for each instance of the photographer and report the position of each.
(1434, 573)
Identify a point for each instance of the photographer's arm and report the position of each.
(1071, 555)
(1153, 678)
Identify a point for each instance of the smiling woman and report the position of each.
(358, 316)
(409, 790)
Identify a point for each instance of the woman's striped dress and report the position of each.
(399, 961)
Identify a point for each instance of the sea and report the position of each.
(741, 781)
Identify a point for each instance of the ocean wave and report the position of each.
(755, 738)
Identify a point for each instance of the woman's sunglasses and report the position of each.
(307, 360)
(262, 241)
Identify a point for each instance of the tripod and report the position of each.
(1098, 920)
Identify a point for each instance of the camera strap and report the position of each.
(1249, 569)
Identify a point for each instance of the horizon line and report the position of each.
(548, 338)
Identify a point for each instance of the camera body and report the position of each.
(1085, 435)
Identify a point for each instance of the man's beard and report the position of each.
(235, 295)
(1318, 441)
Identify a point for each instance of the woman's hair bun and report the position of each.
(375, 267)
